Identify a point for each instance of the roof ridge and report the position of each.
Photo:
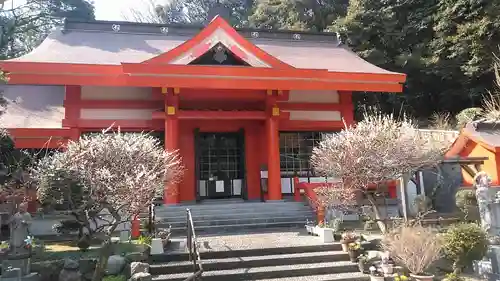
(190, 30)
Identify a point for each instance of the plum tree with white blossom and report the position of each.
(106, 178)
(378, 149)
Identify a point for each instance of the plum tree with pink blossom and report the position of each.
(378, 149)
(106, 178)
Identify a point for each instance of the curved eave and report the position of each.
(463, 141)
(228, 77)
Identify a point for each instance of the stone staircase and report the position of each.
(234, 216)
(299, 263)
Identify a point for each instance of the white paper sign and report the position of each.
(219, 186)
(263, 174)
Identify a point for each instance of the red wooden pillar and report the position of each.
(347, 112)
(171, 192)
(72, 98)
(273, 155)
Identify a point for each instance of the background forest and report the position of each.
(446, 47)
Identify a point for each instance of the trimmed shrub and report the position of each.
(463, 243)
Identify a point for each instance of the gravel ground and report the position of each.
(278, 239)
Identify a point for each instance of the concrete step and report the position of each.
(242, 206)
(233, 215)
(211, 255)
(267, 272)
(209, 204)
(250, 262)
(349, 276)
(234, 221)
(215, 212)
(231, 228)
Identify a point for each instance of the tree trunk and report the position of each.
(405, 178)
(457, 268)
(107, 247)
(104, 254)
(380, 221)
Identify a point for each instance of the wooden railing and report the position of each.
(194, 253)
(310, 194)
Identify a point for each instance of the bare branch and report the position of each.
(416, 247)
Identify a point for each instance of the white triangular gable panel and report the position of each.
(219, 36)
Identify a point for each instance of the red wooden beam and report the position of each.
(311, 106)
(40, 143)
(40, 133)
(121, 104)
(212, 82)
(109, 71)
(222, 115)
(258, 83)
(258, 72)
(217, 94)
(302, 125)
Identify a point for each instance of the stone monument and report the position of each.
(16, 262)
(489, 211)
(482, 185)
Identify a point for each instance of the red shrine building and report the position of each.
(239, 105)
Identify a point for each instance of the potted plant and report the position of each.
(400, 277)
(354, 250)
(316, 228)
(363, 263)
(376, 275)
(309, 227)
(325, 233)
(453, 277)
(387, 265)
(347, 238)
(416, 247)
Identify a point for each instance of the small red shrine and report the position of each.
(239, 105)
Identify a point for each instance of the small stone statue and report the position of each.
(482, 184)
(19, 228)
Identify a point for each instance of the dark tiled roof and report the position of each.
(103, 42)
(485, 131)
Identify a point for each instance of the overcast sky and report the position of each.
(108, 9)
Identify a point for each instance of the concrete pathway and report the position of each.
(275, 239)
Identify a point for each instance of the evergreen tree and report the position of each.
(23, 27)
(312, 15)
(196, 11)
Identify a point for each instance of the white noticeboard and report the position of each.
(219, 186)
